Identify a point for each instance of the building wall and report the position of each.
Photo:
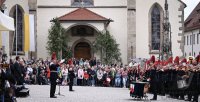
(68, 2)
(131, 24)
(118, 28)
(32, 10)
(10, 4)
(142, 26)
(193, 48)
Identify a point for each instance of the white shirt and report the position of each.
(64, 72)
(80, 74)
(29, 70)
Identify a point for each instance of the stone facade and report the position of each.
(143, 29)
(33, 10)
(131, 20)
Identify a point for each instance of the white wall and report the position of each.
(22, 3)
(189, 48)
(96, 2)
(110, 2)
(44, 16)
(54, 2)
(118, 28)
(142, 25)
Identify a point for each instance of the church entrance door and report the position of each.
(82, 50)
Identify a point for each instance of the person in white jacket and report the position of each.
(80, 76)
(64, 74)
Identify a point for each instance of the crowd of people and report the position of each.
(87, 73)
(175, 78)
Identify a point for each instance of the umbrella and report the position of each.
(6, 23)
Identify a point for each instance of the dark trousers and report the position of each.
(70, 87)
(155, 94)
(154, 86)
(53, 88)
(70, 84)
(79, 82)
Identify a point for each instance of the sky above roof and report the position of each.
(191, 4)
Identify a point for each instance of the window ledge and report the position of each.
(18, 53)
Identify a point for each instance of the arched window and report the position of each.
(155, 28)
(19, 34)
(82, 3)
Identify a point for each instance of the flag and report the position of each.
(26, 33)
(29, 36)
(32, 33)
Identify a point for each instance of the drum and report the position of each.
(181, 84)
(138, 89)
(146, 88)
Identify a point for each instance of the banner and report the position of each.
(32, 33)
(29, 35)
(26, 33)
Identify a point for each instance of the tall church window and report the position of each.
(155, 28)
(82, 3)
(19, 34)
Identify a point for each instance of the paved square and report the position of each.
(84, 94)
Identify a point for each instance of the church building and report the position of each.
(137, 25)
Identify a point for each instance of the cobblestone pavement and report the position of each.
(85, 94)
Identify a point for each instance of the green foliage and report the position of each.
(57, 38)
(108, 48)
(67, 53)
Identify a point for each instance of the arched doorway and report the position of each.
(82, 50)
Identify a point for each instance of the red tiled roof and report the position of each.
(193, 20)
(82, 14)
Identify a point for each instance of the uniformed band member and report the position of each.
(53, 75)
(71, 76)
(169, 74)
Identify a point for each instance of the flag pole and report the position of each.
(16, 32)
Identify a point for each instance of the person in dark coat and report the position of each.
(154, 82)
(93, 62)
(2, 85)
(53, 76)
(71, 77)
(17, 72)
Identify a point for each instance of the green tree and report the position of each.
(57, 39)
(107, 47)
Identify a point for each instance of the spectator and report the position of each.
(80, 76)
(64, 74)
(124, 76)
(118, 78)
